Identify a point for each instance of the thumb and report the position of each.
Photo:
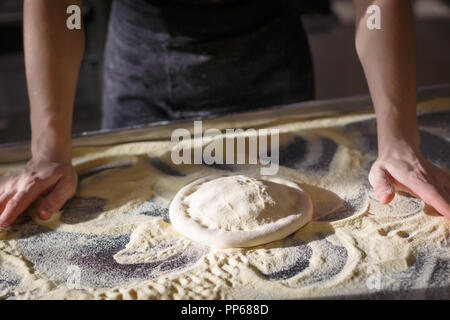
(63, 191)
(381, 185)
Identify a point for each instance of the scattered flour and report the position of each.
(116, 229)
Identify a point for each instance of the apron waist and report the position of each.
(166, 61)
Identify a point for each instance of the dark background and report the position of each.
(330, 27)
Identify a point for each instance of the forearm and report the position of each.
(53, 56)
(389, 62)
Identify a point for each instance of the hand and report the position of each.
(57, 181)
(402, 168)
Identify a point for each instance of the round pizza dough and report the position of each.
(239, 210)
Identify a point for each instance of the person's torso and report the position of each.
(199, 57)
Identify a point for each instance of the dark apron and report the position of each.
(167, 60)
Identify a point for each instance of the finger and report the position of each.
(63, 191)
(446, 211)
(2, 183)
(7, 181)
(20, 201)
(4, 198)
(381, 185)
(429, 193)
(436, 199)
(15, 206)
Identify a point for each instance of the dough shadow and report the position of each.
(430, 211)
(324, 202)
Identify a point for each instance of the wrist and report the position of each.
(51, 145)
(396, 139)
(398, 131)
(398, 148)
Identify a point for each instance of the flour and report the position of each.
(117, 231)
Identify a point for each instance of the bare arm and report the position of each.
(388, 57)
(53, 56)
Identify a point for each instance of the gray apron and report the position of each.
(167, 60)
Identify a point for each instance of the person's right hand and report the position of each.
(56, 182)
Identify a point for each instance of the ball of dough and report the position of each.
(239, 210)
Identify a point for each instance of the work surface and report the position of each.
(114, 239)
